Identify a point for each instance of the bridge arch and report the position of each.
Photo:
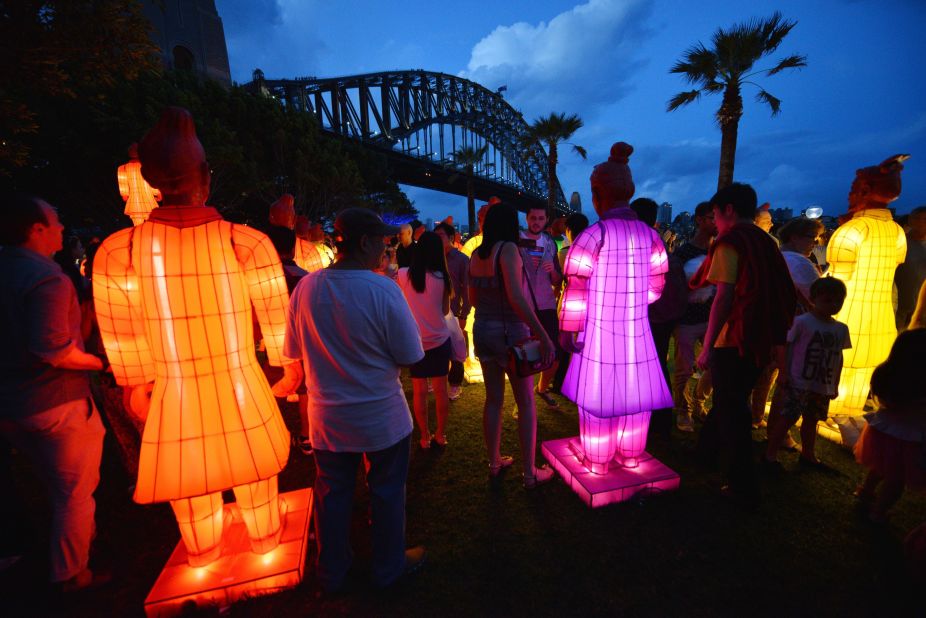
(419, 119)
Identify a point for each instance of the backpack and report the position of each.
(674, 300)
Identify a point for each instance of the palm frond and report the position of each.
(773, 102)
(774, 30)
(714, 87)
(699, 65)
(682, 99)
(579, 150)
(795, 61)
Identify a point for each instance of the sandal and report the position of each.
(425, 444)
(541, 475)
(441, 442)
(547, 399)
(504, 461)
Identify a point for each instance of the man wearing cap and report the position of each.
(353, 331)
(174, 300)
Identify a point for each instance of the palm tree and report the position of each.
(468, 157)
(552, 130)
(726, 68)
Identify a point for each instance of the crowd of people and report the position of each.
(750, 309)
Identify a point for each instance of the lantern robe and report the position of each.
(614, 270)
(174, 298)
(864, 253)
(140, 198)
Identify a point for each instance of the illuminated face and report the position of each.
(443, 238)
(405, 235)
(536, 220)
(724, 217)
(706, 222)
(51, 235)
(764, 220)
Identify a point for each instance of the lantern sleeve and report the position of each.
(116, 297)
(266, 286)
(843, 249)
(580, 263)
(122, 175)
(901, 245)
(659, 265)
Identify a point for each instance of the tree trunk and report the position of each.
(551, 179)
(728, 116)
(470, 203)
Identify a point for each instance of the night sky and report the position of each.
(861, 98)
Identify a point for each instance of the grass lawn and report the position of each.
(496, 549)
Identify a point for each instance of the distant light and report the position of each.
(814, 212)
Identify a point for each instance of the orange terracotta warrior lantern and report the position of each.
(140, 197)
(864, 253)
(308, 256)
(174, 298)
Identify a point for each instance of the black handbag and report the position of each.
(524, 358)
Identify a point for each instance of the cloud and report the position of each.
(584, 57)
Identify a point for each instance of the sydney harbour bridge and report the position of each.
(418, 120)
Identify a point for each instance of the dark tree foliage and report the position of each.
(82, 109)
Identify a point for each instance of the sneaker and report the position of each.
(454, 392)
(685, 423)
(85, 580)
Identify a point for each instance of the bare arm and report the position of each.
(511, 267)
(720, 311)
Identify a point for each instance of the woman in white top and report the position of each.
(427, 287)
(798, 238)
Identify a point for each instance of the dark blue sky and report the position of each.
(861, 98)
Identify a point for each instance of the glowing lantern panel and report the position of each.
(140, 197)
(864, 253)
(614, 270)
(174, 305)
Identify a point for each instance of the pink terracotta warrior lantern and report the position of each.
(614, 270)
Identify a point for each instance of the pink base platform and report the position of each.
(239, 572)
(618, 485)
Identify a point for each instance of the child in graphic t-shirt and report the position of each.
(809, 377)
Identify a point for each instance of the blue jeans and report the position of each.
(334, 497)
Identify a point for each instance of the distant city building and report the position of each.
(190, 36)
(575, 202)
(781, 215)
(664, 217)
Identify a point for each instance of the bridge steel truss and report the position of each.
(419, 119)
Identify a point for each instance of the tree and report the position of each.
(468, 157)
(726, 68)
(551, 131)
(58, 51)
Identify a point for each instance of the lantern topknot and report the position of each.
(612, 181)
(171, 155)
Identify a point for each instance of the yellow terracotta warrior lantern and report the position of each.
(140, 197)
(174, 299)
(864, 253)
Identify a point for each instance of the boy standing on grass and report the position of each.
(809, 374)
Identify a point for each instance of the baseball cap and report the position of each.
(354, 222)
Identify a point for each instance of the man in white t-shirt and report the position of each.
(353, 331)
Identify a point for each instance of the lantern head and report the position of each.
(283, 212)
(612, 182)
(303, 226)
(878, 185)
(172, 157)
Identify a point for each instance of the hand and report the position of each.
(547, 349)
(547, 267)
(704, 359)
(568, 342)
(289, 383)
(139, 401)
